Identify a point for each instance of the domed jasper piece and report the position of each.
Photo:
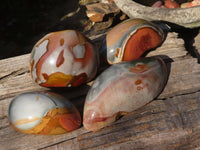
(122, 88)
(130, 39)
(64, 58)
(43, 113)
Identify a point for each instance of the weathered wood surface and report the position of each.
(172, 121)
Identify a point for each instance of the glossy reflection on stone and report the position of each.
(122, 88)
(64, 58)
(130, 39)
(43, 113)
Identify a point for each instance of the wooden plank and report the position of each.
(180, 81)
(160, 124)
(183, 77)
(169, 124)
(28, 142)
(172, 47)
(15, 78)
(12, 65)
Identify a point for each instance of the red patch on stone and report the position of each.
(60, 59)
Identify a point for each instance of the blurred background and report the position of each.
(23, 22)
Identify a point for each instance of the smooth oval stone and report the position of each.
(43, 113)
(63, 59)
(122, 88)
(130, 39)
